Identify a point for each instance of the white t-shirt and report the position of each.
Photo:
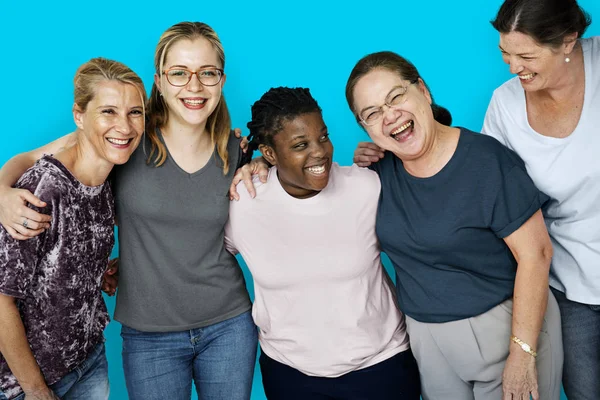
(568, 170)
(323, 302)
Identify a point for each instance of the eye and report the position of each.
(372, 115)
(300, 146)
(177, 72)
(109, 111)
(527, 58)
(136, 112)
(209, 73)
(324, 137)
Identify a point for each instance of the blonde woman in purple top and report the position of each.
(51, 308)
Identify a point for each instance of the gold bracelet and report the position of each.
(526, 348)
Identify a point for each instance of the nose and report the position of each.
(318, 150)
(390, 114)
(194, 85)
(123, 125)
(514, 66)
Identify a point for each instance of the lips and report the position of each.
(119, 143)
(403, 131)
(195, 103)
(318, 169)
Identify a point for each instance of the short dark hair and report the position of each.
(392, 62)
(272, 109)
(546, 21)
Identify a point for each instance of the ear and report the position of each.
(424, 90)
(569, 42)
(268, 153)
(223, 79)
(157, 82)
(78, 115)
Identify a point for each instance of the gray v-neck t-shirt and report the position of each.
(175, 273)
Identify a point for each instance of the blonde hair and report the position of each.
(218, 123)
(97, 70)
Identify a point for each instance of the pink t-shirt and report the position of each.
(323, 302)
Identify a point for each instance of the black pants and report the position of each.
(396, 378)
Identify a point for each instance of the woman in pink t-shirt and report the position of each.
(329, 324)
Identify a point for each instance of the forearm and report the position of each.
(529, 301)
(14, 168)
(15, 348)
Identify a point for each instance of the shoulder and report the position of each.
(508, 93)
(487, 149)
(357, 176)
(45, 180)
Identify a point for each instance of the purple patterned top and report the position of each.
(56, 277)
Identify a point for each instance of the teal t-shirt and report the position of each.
(444, 234)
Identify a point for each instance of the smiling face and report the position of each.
(407, 129)
(192, 104)
(113, 122)
(538, 66)
(303, 155)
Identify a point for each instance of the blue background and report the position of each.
(267, 43)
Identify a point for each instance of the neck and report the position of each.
(85, 165)
(437, 155)
(183, 137)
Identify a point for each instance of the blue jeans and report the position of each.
(581, 343)
(88, 381)
(219, 359)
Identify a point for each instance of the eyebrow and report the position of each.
(186, 67)
(518, 54)
(302, 136)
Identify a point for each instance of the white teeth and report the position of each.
(317, 170)
(194, 102)
(118, 141)
(526, 77)
(402, 128)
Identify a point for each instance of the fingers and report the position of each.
(30, 198)
(247, 179)
(25, 232)
(237, 178)
(15, 234)
(244, 144)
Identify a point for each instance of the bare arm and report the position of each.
(531, 247)
(13, 202)
(17, 353)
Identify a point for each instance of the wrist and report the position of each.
(521, 347)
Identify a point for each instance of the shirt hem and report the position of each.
(177, 328)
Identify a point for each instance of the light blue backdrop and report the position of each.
(267, 43)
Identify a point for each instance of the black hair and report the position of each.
(398, 64)
(272, 109)
(546, 21)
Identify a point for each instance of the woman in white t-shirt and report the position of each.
(550, 115)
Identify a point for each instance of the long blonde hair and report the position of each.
(218, 123)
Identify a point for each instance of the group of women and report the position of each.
(476, 226)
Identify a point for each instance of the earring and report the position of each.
(567, 60)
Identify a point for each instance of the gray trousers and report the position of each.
(464, 359)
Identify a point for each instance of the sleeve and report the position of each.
(492, 124)
(516, 201)
(19, 258)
